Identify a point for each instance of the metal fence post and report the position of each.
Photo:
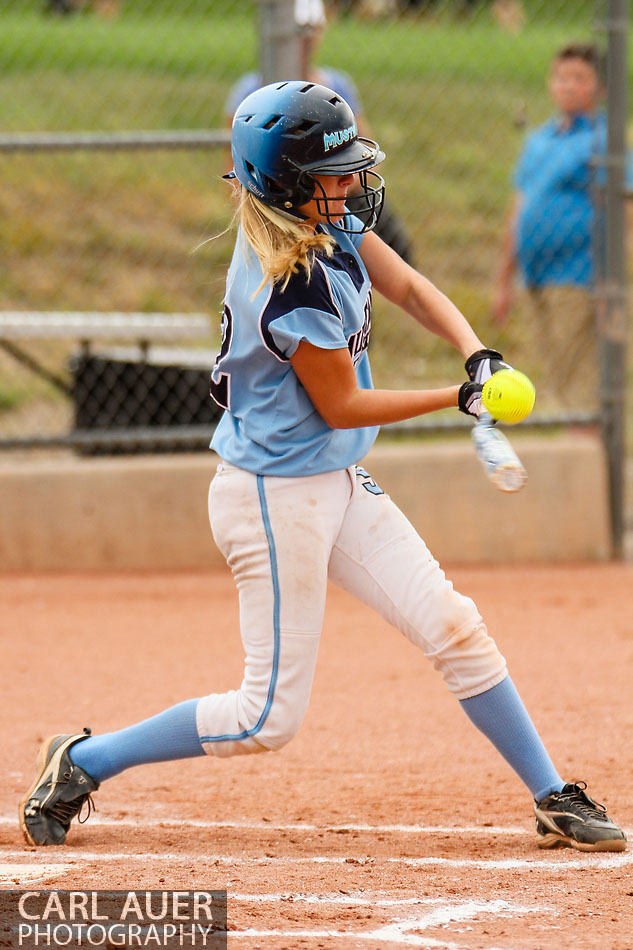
(279, 46)
(611, 289)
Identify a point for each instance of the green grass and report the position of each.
(9, 399)
(447, 96)
(149, 63)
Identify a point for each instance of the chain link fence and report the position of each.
(115, 117)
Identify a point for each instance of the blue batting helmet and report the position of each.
(287, 132)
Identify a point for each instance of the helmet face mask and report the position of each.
(368, 201)
(287, 133)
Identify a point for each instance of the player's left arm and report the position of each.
(407, 288)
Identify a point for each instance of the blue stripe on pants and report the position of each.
(249, 733)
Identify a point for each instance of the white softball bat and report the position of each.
(499, 460)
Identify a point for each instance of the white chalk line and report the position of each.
(298, 826)
(30, 873)
(396, 932)
(441, 912)
(399, 930)
(392, 934)
(603, 861)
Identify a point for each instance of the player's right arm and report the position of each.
(329, 378)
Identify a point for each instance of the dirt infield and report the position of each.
(388, 821)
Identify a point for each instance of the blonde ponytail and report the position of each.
(281, 245)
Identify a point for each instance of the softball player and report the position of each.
(290, 506)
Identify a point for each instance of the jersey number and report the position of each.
(367, 482)
(220, 387)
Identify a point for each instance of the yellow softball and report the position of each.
(508, 396)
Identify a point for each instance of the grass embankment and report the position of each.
(448, 98)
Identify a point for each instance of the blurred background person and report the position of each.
(549, 236)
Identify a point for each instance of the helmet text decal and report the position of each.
(333, 139)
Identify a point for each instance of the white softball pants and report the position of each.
(283, 538)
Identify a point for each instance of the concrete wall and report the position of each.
(149, 513)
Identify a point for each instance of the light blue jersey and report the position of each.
(270, 426)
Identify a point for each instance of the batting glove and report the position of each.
(482, 364)
(469, 399)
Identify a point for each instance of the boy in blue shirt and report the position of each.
(549, 236)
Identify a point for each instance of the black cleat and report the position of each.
(570, 819)
(57, 795)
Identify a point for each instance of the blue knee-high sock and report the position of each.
(171, 734)
(500, 714)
